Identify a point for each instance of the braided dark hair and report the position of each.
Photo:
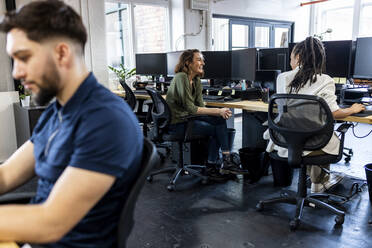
(311, 61)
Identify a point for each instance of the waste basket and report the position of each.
(282, 172)
(368, 169)
(253, 159)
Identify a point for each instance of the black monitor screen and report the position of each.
(338, 57)
(217, 64)
(151, 64)
(172, 60)
(273, 59)
(363, 58)
(243, 64)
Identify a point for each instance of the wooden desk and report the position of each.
(8, 245)
(252, 106)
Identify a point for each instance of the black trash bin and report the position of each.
(282, 172)
(230, 137)
(368, 169)
(254, 160)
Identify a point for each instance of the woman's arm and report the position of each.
(223, 112)
(345, 112)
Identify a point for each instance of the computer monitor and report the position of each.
(172, 60)
(243, 64)
(267, 79)
(338, 57)
(152, 64)
(363, 58)
(273, 59)
(217, 64)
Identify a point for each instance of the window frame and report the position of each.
(257, 22)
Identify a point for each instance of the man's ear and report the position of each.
(63, 53)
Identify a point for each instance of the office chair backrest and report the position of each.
(160, 112)
(130, 98)
(299, 122)
(150, 159)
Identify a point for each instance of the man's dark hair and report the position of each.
(42, 20)
(311, 61)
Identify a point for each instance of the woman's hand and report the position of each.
(225, 113)
(357, 107)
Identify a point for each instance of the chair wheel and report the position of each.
(347, 159)
(149, 178)
(339, 220)
(293, 224)
(259, 206)
(170, 187)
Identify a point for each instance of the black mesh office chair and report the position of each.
(161, 116)
(150, 159)
(298, 123)
(143, 117)
(130, 98)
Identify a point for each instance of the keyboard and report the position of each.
(210, 98)
(363, 113)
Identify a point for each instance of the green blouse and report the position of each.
(183, 98)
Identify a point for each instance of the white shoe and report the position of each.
(333, 180)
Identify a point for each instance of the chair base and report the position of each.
(348, 153)
(177, 171)
(311, 200)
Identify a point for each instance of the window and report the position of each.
(336, 15)
(240, 36)
(262, 36)
(281, 37)
(365, 27)
(150, 27)
(117, 33)
(220, 34)
(231, 33)
(135, 28)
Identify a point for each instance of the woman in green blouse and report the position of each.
(184, 98)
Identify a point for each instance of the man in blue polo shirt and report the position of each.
(87, 145)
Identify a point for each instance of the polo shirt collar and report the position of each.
(78, 97)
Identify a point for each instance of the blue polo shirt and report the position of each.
(95, 130)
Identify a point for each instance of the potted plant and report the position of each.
(24, 96)
(123, 73)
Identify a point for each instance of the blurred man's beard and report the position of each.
(49, 89)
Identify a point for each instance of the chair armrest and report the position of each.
(190, 122)
(17, 198)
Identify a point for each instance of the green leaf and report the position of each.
(123, 73)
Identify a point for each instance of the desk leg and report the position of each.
(230, 121)
(253, 130)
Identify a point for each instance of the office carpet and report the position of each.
(224, 215)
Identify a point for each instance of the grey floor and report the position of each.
(224, 215)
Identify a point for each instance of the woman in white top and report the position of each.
(306, 77)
